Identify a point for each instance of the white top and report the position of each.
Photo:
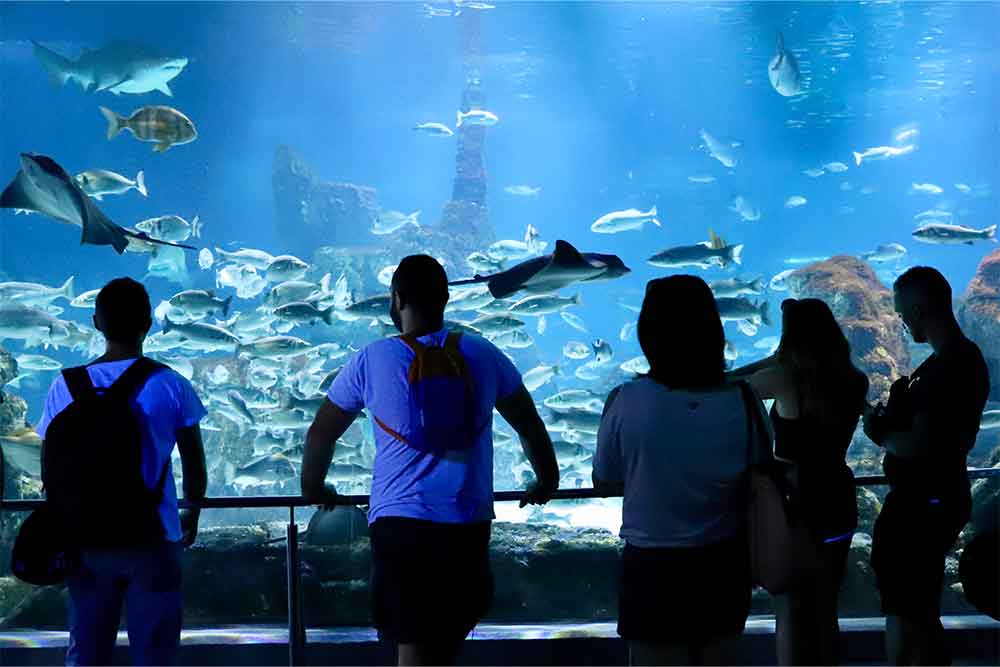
(683, 458)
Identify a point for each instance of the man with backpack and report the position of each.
(108, 430)
(430, 395)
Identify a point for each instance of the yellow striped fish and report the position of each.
(165, 126)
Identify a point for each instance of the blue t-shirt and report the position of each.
(456, 487)
(164, 405)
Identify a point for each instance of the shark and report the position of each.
(118, 67)
(548, 273)
(42, 186)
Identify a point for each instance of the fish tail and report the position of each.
(990, 233)
(324, 283)
(328, 315)
(67, 290)
(458, 122)
(60, 69)
(781, 41)
(577, 299)
(196, 227)
(736, 254)
(857, 158)
(757, 285)
(115, 122)
(415, 218)
(140, 184)
(225, 306)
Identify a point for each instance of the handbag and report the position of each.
(42, 554)
(781, 550)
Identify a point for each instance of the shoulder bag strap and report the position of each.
(78, 382)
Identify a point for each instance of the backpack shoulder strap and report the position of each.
(451, 342)
(78, 382)
(135, 376)
(412, 343)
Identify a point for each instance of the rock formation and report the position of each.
(979, 314)
(864, 308)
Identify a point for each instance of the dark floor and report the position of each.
(974, 640)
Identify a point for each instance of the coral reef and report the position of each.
(864, 308)
(979, 313)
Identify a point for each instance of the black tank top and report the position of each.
(825, 494)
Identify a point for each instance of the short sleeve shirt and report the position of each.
(951, 390)
(683, 456)
(452, 488)
(165, 404)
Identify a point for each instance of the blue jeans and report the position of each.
(148, 580)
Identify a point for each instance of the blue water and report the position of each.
(600, 105)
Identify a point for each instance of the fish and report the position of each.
(544, 304)
(270, 469)
(768, 343)
(906, 134)
(573, 320)
(989, 420)
(736, 287)
(882, 153)
(164, 126)
(388, 222)
(240, 406)
(205, 259)
(602, 351)
(934, 214)
(963, 188)
(42, 186)
(575, 420)
(522, 190)
(636, 365)
(729, 351)
(576, 350)
(473, 298)
(795, 201)
(627, 332)
(549, 273)
(36, 294)
(30, 324)
(301, 312)
(208, 336)
(925, 188)
(118, 67)
(575, 399)
(86, 300)
(274, 347)
(373, 307)
(291, 291)
(798, 261)
(384, 276)
(494, 325)
(258, 259)
(620, 221)
(539, 376)
(243, 278)
(941, 234)
(783, 71)
(23, 450)
(434, 129)
(724, 153)
(814, 173)
(100, 182)
(200, 303)
(516, 339)
(508, 250)
(476, 117)
(542, 325)
(885, 253)
(703, 255)
(701, 179)
(171, 228)
(37, 362)
(748, 212)
(169, 263)
(747, 327)
(284, 268)
(481, 262)
(739, 308)
(835, 167)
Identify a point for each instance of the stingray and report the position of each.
(546, 274)
(42, 186)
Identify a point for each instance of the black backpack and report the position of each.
(92, 464)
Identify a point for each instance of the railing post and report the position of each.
(296, 630)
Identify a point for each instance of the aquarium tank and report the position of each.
(262, 167)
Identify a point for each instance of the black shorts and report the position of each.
(690, 595)
(431, 582)
(911, 538)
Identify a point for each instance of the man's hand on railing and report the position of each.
(327, 497)
(537, 493)
(189, 526)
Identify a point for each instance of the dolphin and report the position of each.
(42, 186)
(783, 71)
(548, 273)
(118, 67)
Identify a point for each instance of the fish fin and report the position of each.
(655, 222)
(577, 299)
(60, 69)
(98, 197)
(328, 315)
(140, 184)
(415, 218)
(111, 89)
(225, 306)
(652, 212)
(115, 122)
(165, 89)
(857, 158)
(781, 41)
(765, 313)
(566, 255)
(161, 147)
(98, 229)
(758, 285)
(324, 283)
(67, 290)
(736, 254)
(15, 196)
(990, 232)
(143, 236)
(714, 242)
(196, 227)
(458, 121)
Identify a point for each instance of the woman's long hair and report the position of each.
(814, 348)
(681, 334)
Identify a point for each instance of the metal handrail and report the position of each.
(262, 502)
(296, 626)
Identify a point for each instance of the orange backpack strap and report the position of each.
(388, 430)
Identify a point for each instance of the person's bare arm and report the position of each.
(743, 371)
(328, 426)
(192, 453)
(519, 411)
